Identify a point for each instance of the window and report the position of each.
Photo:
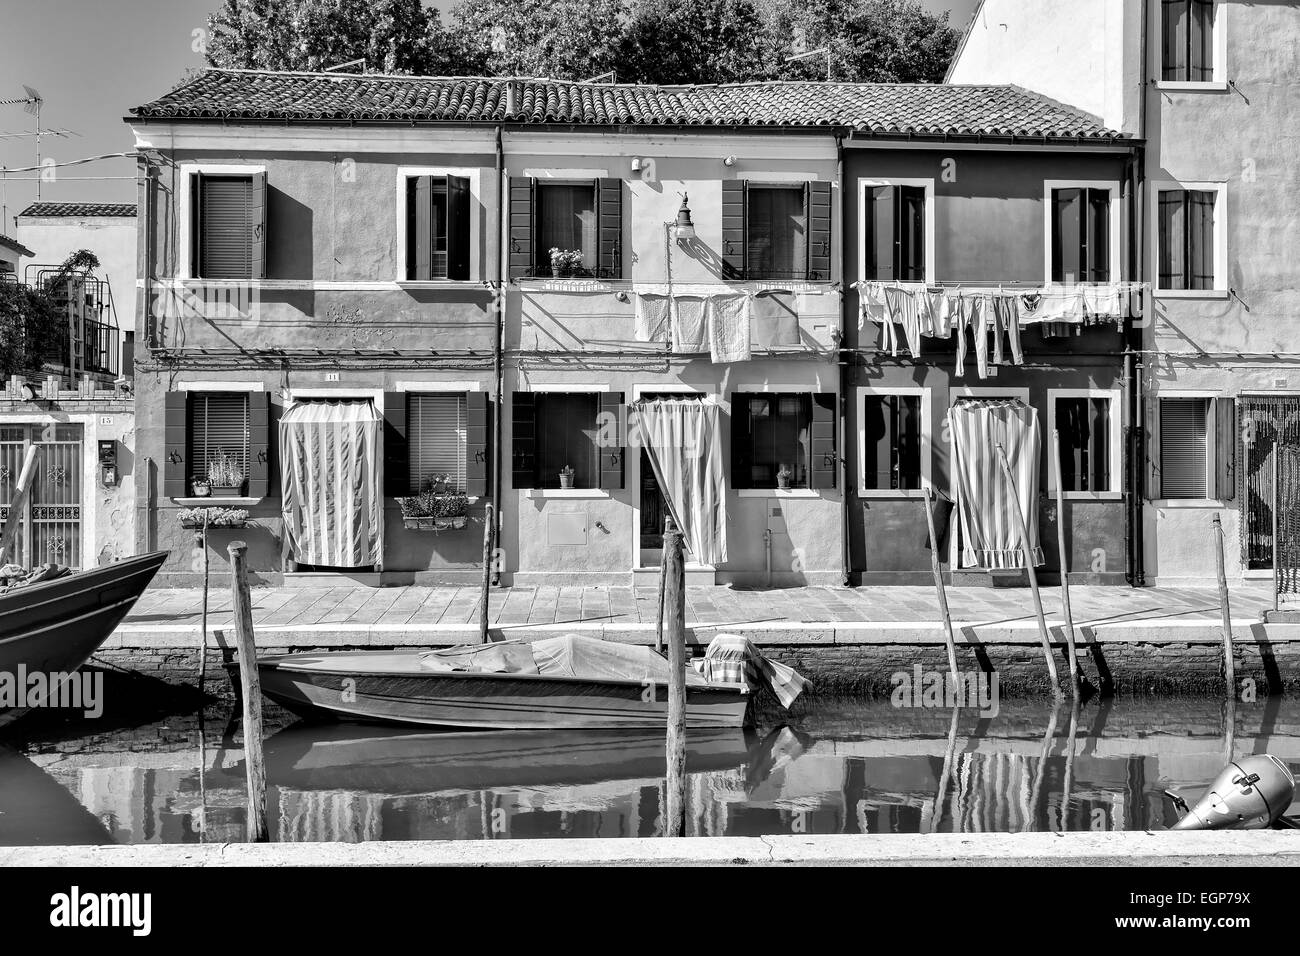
(437, 227)
(565, 219)
(218, 428)
(893, 426)
(793, 432)
(227, 226)
(776, 232)
(1187, 252)
(1187, 54)
(1184, 447)
(894, 242)
(1080, 235)
(436, 439)
(1084, 428)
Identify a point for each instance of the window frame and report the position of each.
(463, 397)
(572, 388)
(472, 173)
(186, 240)
(1115, 437)
(540, 183)
(1219, 82)
(1220, 290)
(866, 183)
(1211, 446)
(860, 395)
(1114, 236)
(791, 186)
(749, 490)
(192, 458)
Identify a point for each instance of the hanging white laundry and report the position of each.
(689, 324)
(729, 319)
(652, 317)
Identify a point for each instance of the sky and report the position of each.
(91, 60)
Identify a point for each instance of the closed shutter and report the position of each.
(1200, 41)
(825, 462)
(176, 445)
(435, 439)
(225, 227)
(523, 440)
(819, 230)
(259, 444)
(742, 447)
(477, 423)
(521, 227)
(1174, 40)
(396, 476)
(458, 221)
(1200, 239)
(611, 439)
(609, 239)
(733, 229)
(1183, 438)
(1225, 448)
(257, 224)
(910, 245)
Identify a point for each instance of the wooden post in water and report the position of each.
(1229, 661)
(663, 569)
(1065, 563)
(675, 635)
(487, 575)
(203, 626)
(1277, 549)
(251, 686)
(949, 755)
(1028, 551)
(939, 591)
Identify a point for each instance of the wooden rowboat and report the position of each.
(54, 626)
(394, 687)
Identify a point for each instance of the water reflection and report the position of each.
(842, 766)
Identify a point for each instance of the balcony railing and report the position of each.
(88, 341)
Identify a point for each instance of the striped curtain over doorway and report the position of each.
(331, 484)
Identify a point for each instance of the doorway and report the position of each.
(50, 526)
(652, 505)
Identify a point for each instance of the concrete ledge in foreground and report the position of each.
(1259, 848)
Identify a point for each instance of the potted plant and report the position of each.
(566, 476)
(225, 475)
(200, 488)
(783, 477)
(433, 512)
(437, 483)
(566, 263)
(216, 517)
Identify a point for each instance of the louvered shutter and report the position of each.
(257, 224)
(259, 444)
(742, 445)
(611, 439)
(523, 440)
(458, 220)
(824, 462)
(521, 227)
(477, 421)
(1225, 448)
(609, 259)
(176, 445)
(225, 227)
(396, 475)
(435, 439)
(1183, 437)
(819, 230)
(733, 229)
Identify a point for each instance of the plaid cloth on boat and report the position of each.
(732, 659)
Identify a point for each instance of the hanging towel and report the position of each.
(729, 321)
(652, 315)
(990, 535)
(1102, 301)
(681, 438)
(871, 304)
(689, 326)
(774, 320)
(331, 483)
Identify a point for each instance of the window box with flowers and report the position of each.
(193, 518)
(431, 511)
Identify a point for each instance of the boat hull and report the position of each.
(392, 688)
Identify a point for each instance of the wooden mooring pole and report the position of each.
(487, 575)
(1229, 660)
(1027, 549)
(1065, 563)
(939, 590)
(663, 569)
(251, 686)
(675, 635)
(203, 626)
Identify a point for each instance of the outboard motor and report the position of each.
(1250, 794)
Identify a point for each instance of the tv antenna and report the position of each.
(32, 105)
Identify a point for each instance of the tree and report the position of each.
(561, 39)
(392, 36)
(692, 41)
(33, 322)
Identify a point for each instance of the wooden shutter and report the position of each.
(1199, 218)
(521, 227)
(1225, 448)
(1183, 437)
(458, 231)
(1099, 412)
(257, 224)
(1068, 231)
(436, 432)
(882, 220)
(742, 450)
(476, 444)
(1200, 41)
(1151, 445)
(225, 227)
(259, 444)
(1096, 238)
(612, 416)
(176, 444)
(419, 227)
(396, 479)
(733, 229)
(609, 237)
(825, 462)
(819, 230)
(523, 440)
(1174, 30)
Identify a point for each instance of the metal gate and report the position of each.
(1267, 423)
(50, 525)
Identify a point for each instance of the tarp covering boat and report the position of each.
(732, 659)
(331, 483)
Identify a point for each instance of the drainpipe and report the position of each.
(767, 546)
(845, 374)
(499, 311)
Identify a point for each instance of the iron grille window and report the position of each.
(436, 439)
(1187, 238)
(1083, 427)
(1187, 53)
(895, 234)
(218, 427)
(1080, 235)
(892, 426)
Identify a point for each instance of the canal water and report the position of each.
(832, 766)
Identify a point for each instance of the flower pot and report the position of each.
(227, 491)
(201, 490)
(566, 481)
(783, 484)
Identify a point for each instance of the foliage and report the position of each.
(33, 323)
(428, 504)
(694, 41)
(562, 39)
(566, 262)
(217, 517)
(224, 470)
